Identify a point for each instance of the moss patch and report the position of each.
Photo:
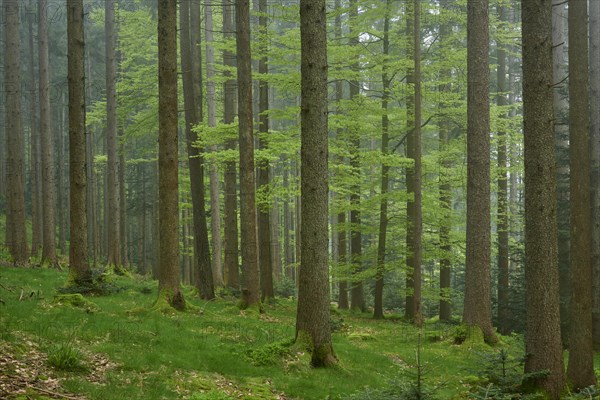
(76, 300)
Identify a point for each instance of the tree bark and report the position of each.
(542, 341)
(312, 324)
(78, 253)
(112, 165)
(230, 207)
(47, 144)
(168, 162)
(477, 308)
(215, 207)
(250, 272)
(580, 369)
(193, 109)
(594, 35)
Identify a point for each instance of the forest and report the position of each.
(300, 199)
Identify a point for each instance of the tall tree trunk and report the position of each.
(385, 169)
(47, 144)
(275, 247)
(16, 238)
(542, 340)
(78, 253)
(250, 272)
(168, 163)
(287, 224)
(445, 189)
(112, 165)
(312, 323)
(60, 173)
(503, 250)
(230, 207)
(215, 207)
(357, 293)
(580, 370)
(264, 218)
(37, 227)
(561, 137)
(594, 35)
(413, 179)
(92, 211)
(477, 309)
(193, 109)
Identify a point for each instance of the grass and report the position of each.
(215, 351)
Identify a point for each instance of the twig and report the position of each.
(6, 288)
(64, 396)
(21, 296)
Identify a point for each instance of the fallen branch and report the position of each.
(56, 394)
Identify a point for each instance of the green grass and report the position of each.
(216, 351)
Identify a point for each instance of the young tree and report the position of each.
(231, 263)
(264, 213)
(112, 166)
(47, 142)
(477, 308)
(78, 250)
(193, 109)
(250, 277)
(312, 324)
(542, 341)
(580, 369)
(168, 162)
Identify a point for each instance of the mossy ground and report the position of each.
(216, 351)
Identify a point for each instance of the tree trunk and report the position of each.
(264, 218)
(503, 250)
(312, 324)
(193, 109)
(60, 173)
(16, 238)
(168, 163)
(445, 189)
(357, 292)
(47, 144)
(413, 179)
(215, 207)
(230, 207)
(580, 370)
(37, 223)
(542, 340)
(250, 272)
(112, 165)
(477, 309)
(594, 35)
(78, 253)
(561, 137)
(385, 170)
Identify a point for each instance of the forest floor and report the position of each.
(116, 347)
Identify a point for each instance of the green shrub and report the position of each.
(65, 357)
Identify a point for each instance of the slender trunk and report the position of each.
(385, 170)
(60, 184)
(249, 243)
(230, 207)
(215, 207)
(78, 233)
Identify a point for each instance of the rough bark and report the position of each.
(78, 250)
(385, 170)
(502, 210)
(47, 142)
(542, 340)
(215, 202)
(594, 35)
(168, 163)
(477, 308)
(230, 207)
(580, 370)
(357, 292)
(193, 109)
(312, 324)
(414, 217)
(112, 165)
(250, 272)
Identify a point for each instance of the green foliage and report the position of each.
(100, 283)
(269, 354)
(285, 287)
